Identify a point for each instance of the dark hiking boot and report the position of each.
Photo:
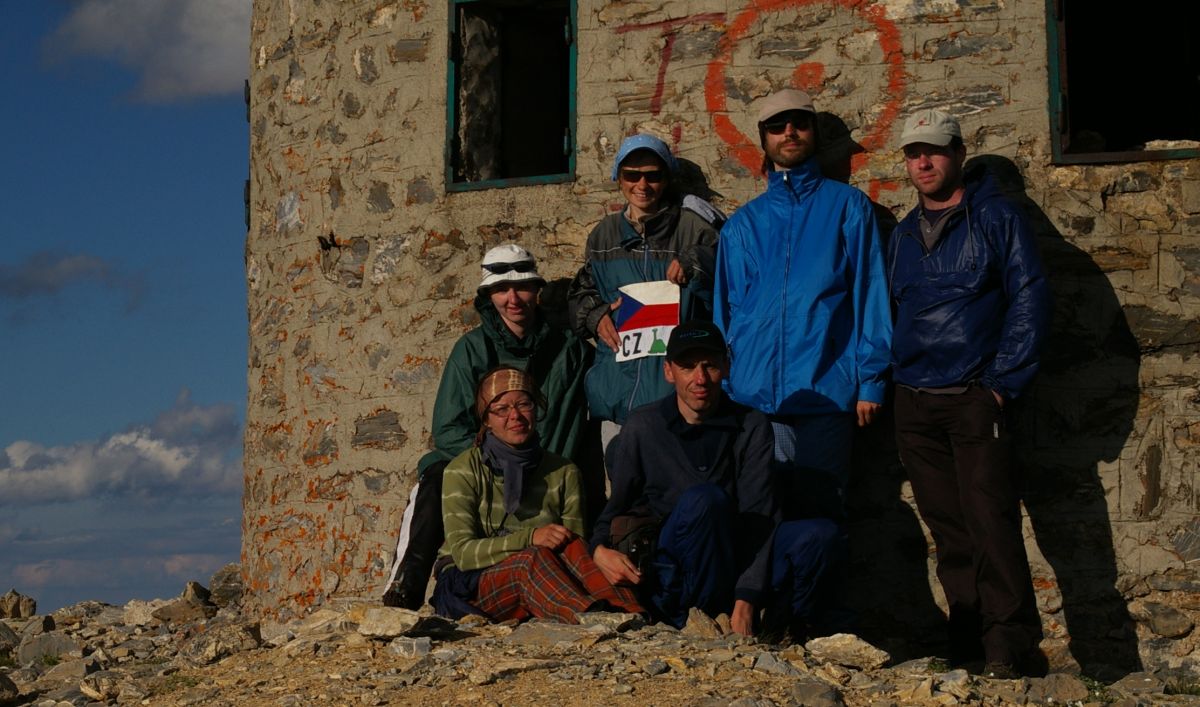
(407, 591)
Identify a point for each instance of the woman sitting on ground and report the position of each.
(513, 514)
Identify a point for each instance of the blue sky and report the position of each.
(122, 295)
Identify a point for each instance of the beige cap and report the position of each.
(782, 101)
(930, 126)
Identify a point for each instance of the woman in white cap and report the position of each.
(513, 513)
(657, 236)
(512, 331)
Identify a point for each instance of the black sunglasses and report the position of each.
(633, 176)
(501, 268)
(776, 124)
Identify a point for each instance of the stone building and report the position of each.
(394, 141)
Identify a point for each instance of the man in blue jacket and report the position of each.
(696, 469)
(801, 297)
(972, 308)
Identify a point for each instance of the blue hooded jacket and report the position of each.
(801, 297)
(976, 307)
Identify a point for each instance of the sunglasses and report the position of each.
(777, 124)
(502, 268)
(633, 176)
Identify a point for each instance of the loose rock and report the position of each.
(848, 650)
(16, 606)
(8, 689)
(1167, 621)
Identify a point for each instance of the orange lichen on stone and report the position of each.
(411, 361)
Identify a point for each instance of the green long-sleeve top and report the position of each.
(479, 533)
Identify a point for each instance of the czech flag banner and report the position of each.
(648, 313)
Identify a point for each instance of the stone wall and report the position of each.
(361, 270)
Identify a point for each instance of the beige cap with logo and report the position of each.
(930, 126)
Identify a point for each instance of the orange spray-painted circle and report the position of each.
(745, 150)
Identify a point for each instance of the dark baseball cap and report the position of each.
(695, 335)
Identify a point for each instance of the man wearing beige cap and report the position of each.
(972, 307)
(801, 298)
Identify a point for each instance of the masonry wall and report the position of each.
(361, 270)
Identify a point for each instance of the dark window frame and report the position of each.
(1059, 110)
(452, 116)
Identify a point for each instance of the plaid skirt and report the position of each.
(535, 582)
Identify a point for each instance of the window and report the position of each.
(1124, 80)
(511, 96)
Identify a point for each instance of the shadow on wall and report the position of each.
(835, 151)
(1079, 412)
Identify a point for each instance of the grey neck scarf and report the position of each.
(513, 463)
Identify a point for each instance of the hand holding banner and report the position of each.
(648, 313)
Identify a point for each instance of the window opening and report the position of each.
(1125, 82)
(512, 102)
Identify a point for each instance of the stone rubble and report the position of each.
(16, 606)
(360, 653)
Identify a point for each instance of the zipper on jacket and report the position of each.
(781, 379)
(637, 378)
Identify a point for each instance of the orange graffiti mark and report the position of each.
(670, 31)
(876, 186)
(808, 76)
(746, 151)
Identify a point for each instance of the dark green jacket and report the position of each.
(558, 361)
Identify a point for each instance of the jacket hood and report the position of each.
(980, 187)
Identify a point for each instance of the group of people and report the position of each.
(727, 451)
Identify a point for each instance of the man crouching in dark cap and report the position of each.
(691, 521)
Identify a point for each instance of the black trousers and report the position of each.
(956, 451)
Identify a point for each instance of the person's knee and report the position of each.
(704, 500)
(539, 555)
(808, 536)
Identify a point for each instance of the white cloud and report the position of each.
(47, 273)
(173, 570)
(189, 449)
(179, 48)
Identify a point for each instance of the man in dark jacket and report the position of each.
(696, 467)
(512, 331)
(971, 303)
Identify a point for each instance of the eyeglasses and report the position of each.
(518, 266)
(777, 124)
(502, 411)
(633, 176)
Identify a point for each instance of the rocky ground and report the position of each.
(198, 650)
